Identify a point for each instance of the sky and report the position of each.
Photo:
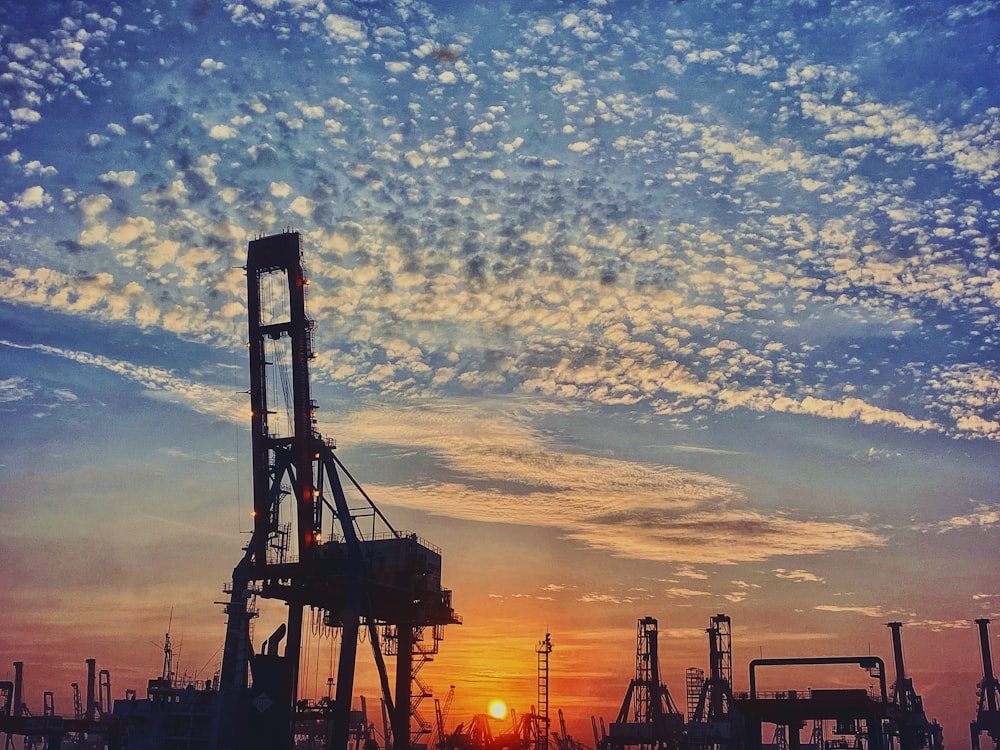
(634, 309)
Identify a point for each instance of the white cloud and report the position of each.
(302, 206)
(32, 197)
(125, 178)
(24, 115)
(311, 111)
(222, 132)
(343, 29)
(145, 122)
(131, 229)
(209, 66)
(13, 389)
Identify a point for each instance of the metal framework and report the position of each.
(792, 709)
(694, 680)
(310, 545)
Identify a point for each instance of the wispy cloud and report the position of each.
(627, 509)
(982, 515)
(157, 382)
(854, 610)
(799, 576)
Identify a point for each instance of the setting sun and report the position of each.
(497, 709)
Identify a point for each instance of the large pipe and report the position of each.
(988, 679)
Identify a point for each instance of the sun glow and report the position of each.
(497, 709)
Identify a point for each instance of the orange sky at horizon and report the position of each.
(492, 656)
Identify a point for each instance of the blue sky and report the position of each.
(635, 309)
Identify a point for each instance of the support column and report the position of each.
(91, 713)
(876, 737)
(793, 730)
(16, 709)
(293, 647)
(340, 720)
(404, 687)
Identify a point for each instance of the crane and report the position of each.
(441, 715)
(653, 720)
(988, 711)
(310, 545)
(910, 722)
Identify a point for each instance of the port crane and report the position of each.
(712, 723)
(908, 720)
(648, 717)
(988, 709)
(311, 546)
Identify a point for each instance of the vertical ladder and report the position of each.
(542, 734)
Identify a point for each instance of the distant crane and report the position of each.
(564, 740)
(712, 721)
(910, 722)
(988, 711)
(648, 717)
(441, 715)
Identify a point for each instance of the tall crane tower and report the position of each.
(909, 722)
(648, 717)
(310, 545)
(712, 722)
(988, 711)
